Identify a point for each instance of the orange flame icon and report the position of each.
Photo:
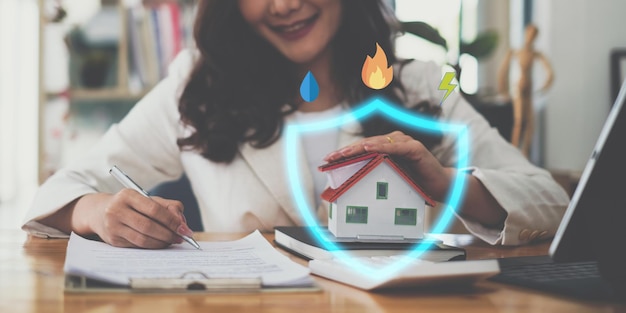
(376, 74)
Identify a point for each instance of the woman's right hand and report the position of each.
(129, 219)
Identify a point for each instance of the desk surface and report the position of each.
(31, 280)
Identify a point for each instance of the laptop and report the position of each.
(587, 258)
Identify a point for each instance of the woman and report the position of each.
(218, 118)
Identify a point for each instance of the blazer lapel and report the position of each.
(270, 166)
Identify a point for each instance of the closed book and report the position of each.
(301, 241)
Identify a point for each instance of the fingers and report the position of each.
(395, 143)
(166, 213)
(132, 220)
(403, 146)
(129, 238)
(346, 152)
(148, 227)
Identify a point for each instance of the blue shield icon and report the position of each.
(403, 117)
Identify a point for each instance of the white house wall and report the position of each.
(381, 212)
(332, 218)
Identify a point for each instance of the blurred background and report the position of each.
(71, 68)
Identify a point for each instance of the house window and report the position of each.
(406, 216)
(356, 214)
(381, 190)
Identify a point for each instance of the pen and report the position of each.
(129, 183)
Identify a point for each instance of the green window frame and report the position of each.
(405, 216)
(356, 214)
(382, 190)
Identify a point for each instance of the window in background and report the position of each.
(456, 21)
(19, 20)
(443, 15)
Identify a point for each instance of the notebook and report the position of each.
(587, 259)
(300, 241)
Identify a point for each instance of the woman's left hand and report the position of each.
(478, 205)
(427, 171)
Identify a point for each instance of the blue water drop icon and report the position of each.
(309, 89)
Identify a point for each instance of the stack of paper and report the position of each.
(249, 257)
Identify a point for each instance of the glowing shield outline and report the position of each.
(404, 117)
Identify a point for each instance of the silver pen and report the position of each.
(129, 183)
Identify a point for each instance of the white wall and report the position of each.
(577, 36)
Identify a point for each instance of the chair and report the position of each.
(498, 112)
(181, 190)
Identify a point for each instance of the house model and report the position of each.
(371, 197)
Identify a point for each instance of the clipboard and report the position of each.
(188, 283)
(107, 269)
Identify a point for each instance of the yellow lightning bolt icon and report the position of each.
(446, 84)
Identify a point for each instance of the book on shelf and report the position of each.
(157, 33)
(300, 241)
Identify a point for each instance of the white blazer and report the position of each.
(252, 192)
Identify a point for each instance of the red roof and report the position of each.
(331, 195)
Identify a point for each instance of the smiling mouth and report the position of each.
(297, 29)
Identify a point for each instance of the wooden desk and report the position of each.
(31, 280)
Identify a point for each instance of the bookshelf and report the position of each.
(114, 55)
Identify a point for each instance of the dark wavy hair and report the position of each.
(240, 83)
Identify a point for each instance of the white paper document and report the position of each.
(416, 273)
(249, 257)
